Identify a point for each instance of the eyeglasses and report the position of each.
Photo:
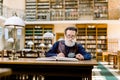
(71, 36)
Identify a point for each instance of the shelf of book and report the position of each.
(35, 33)
(93, 37)
(66, 10)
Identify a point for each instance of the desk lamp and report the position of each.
(48, 35)
(14, 23)
(49, 45)
(30, 43)
(42, 45)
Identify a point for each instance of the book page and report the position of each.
(56, 59)
(66, 59)
(46, 59)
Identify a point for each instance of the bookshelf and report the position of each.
(92, 37)
(100, 9)
(57, 10)
(43, 7)
(71, 7)
(50, 10)
(31, 10)
(85, 9)
(35, 33)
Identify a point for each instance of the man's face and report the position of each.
(70, 35)
(70, 38)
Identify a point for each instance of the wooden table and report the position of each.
(29, 66)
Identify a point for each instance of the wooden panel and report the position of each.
(59, 36)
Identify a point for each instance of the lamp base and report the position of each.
(13, 58)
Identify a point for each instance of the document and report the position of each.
(56, 59)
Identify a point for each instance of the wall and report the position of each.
(114, 9)
(114, 36)
(15, 4)
(114, 30)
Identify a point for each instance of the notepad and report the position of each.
(56, 59)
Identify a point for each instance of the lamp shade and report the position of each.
(42, 45)
(11, 40)
(49, 45)
(30, 43)
(14, 21)
(48, 35)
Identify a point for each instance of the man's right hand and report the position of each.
(60, 55)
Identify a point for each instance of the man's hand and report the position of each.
(79, 56)
(60, 55)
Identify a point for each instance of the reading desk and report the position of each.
(32, 67)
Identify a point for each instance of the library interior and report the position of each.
(29, 28)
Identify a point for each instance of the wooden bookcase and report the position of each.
(43, 7)
(57, 10)
(59, 36)
(50, 10)
(35, 33)
(93, 37)
(71, 9)
(31, 10)
(86, 9)
(100, 9)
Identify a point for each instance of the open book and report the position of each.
(56, 59)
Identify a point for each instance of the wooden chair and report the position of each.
(99, 56)
(105, 56)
